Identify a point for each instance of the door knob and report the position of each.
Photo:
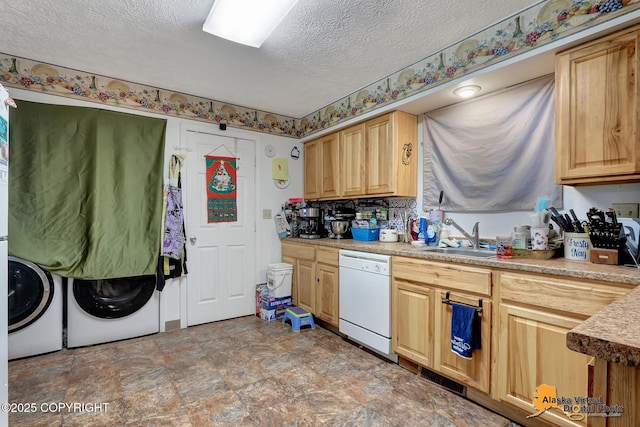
(192, 239)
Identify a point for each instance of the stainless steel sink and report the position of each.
(481, 253)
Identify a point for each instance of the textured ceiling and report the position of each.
(322, 50)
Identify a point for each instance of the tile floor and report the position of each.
(243, 372)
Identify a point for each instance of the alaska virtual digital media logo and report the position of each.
(575, 408)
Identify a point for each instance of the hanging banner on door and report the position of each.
(221, 189)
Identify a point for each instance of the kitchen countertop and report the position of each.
(554, 266)
(611, 334)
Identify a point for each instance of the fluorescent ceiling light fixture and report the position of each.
(247, 22)
(467, 91)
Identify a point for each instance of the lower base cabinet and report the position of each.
(302, 258)
(326, 303)
(533, 353)
(618, 386)
(306, 277)
(315, 281)
(535, 314)
(474, 372)
(412, 322)
(421, 323)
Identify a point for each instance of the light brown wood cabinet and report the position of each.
(475, 372)
(352, 161)
(618, 385)
(421, 323)
(303, 258)
(306, 284)
(535, 314)
(373, 158)
(312, 165)
(412, 321)
(315, 283)
(391, 168)
(598, 111)
(321, 163)
(327, 285)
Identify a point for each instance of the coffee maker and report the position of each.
(310, 223)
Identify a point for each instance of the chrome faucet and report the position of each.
(475, 239)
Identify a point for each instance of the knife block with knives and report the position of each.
(608, 239)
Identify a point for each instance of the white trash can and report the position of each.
(279, 279)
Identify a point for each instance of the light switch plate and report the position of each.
(625, 210)
(266, 213)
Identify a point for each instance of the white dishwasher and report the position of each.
(365, 300)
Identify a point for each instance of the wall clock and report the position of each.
(269, 151)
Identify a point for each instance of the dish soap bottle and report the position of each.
(433, 230)
(422, 234)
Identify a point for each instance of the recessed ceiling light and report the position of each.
(247, 22)
(467, 91)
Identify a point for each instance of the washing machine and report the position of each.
(105, 310)
(35, 309)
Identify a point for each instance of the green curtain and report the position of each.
(85, 190)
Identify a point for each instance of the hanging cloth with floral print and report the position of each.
(221, 189)
(174, 236)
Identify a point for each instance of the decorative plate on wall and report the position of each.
(281, 183)
(269, 151)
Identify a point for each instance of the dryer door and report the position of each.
(30, 293)
(114, 298)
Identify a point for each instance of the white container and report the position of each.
(279, 279)
(388, 235)
(539, 238)
(577, 246)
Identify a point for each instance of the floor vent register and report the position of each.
(443, 381)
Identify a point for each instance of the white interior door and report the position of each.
(220, 256)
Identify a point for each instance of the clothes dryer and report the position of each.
(106, 310)
(35, 309)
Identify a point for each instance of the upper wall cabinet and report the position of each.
(352, 161)
(375, 159)
(390, 168)
(321, 175)
(597, 113)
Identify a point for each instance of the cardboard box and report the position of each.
(272, 315)
(261, 291)
(271, 303)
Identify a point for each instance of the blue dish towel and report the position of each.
(465, 330)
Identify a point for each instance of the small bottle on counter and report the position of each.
(521, 237)
(433, 233)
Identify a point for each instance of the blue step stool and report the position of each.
(298, 317)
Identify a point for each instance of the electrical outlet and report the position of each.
(266, 213)
(625, 210)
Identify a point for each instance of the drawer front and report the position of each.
(327, 256)
(443, 275)
(306, 252)
(583, 298)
